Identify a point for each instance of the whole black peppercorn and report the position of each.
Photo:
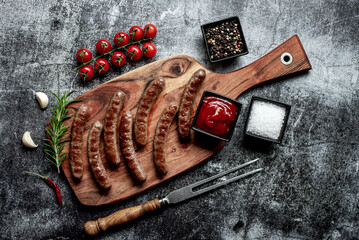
(223, 40)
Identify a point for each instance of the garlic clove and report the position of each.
(42, 99)
(27, 140)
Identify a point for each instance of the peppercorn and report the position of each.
(224, 40)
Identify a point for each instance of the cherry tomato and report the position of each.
(86, 72)
(83, 55)
(134, 52)
(103, 46)
(136, 33)
(149, 50)
(150, 31)
(118, 59)
(101, 66)
(121, 39)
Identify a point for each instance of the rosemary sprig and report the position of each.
(57, 129)
(115, 49)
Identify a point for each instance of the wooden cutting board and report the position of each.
(176, 71)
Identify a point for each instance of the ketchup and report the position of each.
(216, 116)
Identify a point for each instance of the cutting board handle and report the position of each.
(288, 58)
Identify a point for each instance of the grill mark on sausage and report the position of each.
(127, 148)
(159, 142)
(144, 108)
(77, 130)
(94, 157)
(185, 108)
(111, 128)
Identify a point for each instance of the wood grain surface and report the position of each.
(176, 71)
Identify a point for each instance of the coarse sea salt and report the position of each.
(266, 119)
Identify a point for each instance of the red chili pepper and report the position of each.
(51, 184)
(56, 188)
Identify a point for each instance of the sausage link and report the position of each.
(144, 108)
(128, 149)
(185, 108)
(159, 143)
(81, 116)
(111, 128)
(94, 157)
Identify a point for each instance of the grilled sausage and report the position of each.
(159, 145)
(185, 108)
(128, 149)
(111, 128)
(94, 157)
(144, 108)
(81, 116)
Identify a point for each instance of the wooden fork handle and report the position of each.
(92, 228)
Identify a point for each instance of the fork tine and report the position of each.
(196, 184)
(225, 182)
(187, 192)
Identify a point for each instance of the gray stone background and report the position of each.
(309, 189)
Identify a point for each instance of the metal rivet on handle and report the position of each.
(286, 58)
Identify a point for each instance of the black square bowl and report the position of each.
(285, 120)
(231, 130)
(221, 42)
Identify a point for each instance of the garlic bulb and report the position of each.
(27, 140)
(42, 99)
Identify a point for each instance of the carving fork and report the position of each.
(124, 216)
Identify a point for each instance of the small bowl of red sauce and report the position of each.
(216, 116)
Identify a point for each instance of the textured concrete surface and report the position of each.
(310, 187)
